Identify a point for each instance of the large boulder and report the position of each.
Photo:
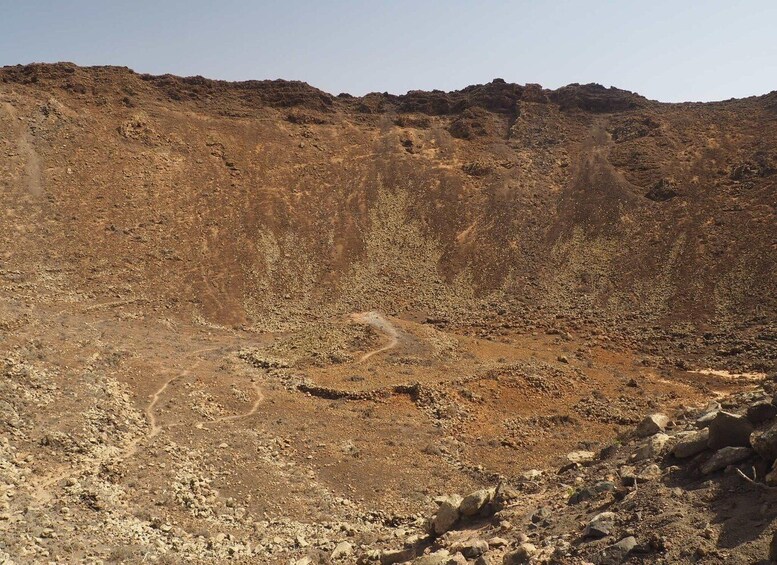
(475, 501)
(729, 430)
(765, 443)
(691, 443)
(447, 514)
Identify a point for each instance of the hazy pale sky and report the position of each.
(669, 50)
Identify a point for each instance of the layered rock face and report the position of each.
(270, 203)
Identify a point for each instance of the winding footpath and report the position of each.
(380, 323)
(41, 488)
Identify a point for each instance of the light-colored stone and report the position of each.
(691, 443)
(342, 550)
(652, 424)
(581, 457)
(437, 558)
(724, 457)
(391, 556)
(470, 548)
(457, 559)
(447, 514)
(520, 555)
(531, 475)
(651, 447)
(765, 443)
(475, 501)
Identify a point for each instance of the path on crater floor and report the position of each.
(380, 323)
(42, 488)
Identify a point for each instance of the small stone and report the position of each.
(497, 542)
(541, 515)
(691, 443)
(618, 552)
(457, 559)
(437, 558)
(650, 473)
(761, 411)
(591, 492)
(725, 457)
(471, 548)
(651, 425)
(522, 554)
(531, 475)
(651, 447)
(391, 556)
(581, 457)
(342, 550)
(729, 430)
(600, 525)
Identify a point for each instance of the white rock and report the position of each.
(653, 424)
(473, 502)
(447, 514)
(581, 457)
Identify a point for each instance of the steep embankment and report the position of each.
(269, 203)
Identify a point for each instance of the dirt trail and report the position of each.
(380, 323)
(156, 428)
(254, 407)
(41, 488)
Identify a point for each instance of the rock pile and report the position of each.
(653, 497)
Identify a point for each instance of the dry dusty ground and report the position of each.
(131, 435)
(260, 323)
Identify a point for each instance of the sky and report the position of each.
(679, 50)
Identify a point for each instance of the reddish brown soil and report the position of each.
(185, 265)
